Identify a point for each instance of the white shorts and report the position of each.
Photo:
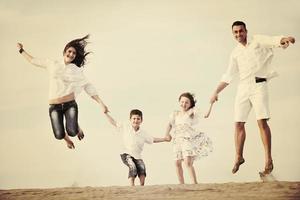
(252, 95)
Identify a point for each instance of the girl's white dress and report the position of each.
(187, 140)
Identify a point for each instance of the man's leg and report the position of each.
(240, 136)
(265, 134)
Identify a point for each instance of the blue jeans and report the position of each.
(57, 113)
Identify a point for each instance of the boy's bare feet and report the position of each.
(237, 165)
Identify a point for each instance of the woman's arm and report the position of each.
(29, 58)
(111, 120)
(24, 53)
(98, 100)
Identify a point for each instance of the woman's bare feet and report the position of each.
(69, 142)
(237, 165)
(80, 135)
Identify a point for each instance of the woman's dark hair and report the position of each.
(190, 97)
(136, 112)
(79, 45)
(239, 23)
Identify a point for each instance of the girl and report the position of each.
(66, 81)
(188, 143)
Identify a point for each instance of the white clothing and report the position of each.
(250, 61)
(178, 117)
(252, 95)
(64, 79)
(187, 140)
(133, 141)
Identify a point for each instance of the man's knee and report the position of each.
(240, 126)
(263, 124)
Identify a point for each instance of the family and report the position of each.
(250, 60)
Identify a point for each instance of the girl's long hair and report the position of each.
(79, 45)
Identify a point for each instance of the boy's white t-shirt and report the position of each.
(133, 141)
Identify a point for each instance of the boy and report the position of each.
(134, 139)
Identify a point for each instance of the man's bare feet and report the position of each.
(268, 169)
(237, 165)
(80, 135)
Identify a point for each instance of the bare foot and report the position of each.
(237, 165)
(69, 142)
(268, 168)
(80, 135)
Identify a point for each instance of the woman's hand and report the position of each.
(20, 46)
(105, 109)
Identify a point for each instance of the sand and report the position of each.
(233, 191)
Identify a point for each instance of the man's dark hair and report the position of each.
(239, 23)
(136, 112)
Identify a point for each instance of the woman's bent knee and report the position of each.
(72, 132)
(59, 135)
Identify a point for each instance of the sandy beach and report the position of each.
(232, 191)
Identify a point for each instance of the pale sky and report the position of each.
(145, 54)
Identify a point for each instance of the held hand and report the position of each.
(20, 46)
(285, 42)
(209, 110)
(292, 40)
(105, 109)
(214, 98)
(167, 138)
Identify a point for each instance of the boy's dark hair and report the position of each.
(190, 97)
(79, 45)
(239, 23)
(136, 112)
